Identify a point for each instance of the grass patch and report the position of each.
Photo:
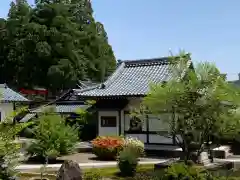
(103, 172)
(28, 176)
(114, 171)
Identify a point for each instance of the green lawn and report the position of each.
(103, 172)
(110, 172)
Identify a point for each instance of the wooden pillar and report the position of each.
(147, 124)
(173, 121)
(119, 122)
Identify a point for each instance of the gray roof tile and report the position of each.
(7, 94)
(68, 108)
(131, 78)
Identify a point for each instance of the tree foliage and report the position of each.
(53, 45)
(53, 137)
(9, 148)
(202, 102)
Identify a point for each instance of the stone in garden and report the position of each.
(165, 164)
(70, 171)
(204, 159)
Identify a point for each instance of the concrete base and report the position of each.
(221, 152)
(169, 151)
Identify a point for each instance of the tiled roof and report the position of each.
(7, 94)
(69, 108)
(61, 108)
(131, 78)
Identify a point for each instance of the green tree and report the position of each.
(53, 45)
(9, 148)
(100, 54)
(18, 17)
(200, 99)
(53, 137)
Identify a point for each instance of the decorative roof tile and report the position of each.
(7, 94)
(131, 78)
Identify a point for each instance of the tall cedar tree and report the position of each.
(53, 45)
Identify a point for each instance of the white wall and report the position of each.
(158, 124)
(155, 125)
(108, 131)
(6, 110)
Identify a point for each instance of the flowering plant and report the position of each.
(135, 145)
(107, 147)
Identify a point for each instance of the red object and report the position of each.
(34, 91)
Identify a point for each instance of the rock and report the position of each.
(220, 165)
(70, 171)
(165, 164)
(204, 159)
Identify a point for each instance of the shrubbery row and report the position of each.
(125, 150)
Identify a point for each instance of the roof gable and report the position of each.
(7, 94)
(132, 78)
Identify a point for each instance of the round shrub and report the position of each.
(127, 162)
(107, 147)
(135, 145)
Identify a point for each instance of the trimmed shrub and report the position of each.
(107, 147)
(135, 145)
(53, 138)
(127, 162)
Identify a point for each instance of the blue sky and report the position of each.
(210, 30)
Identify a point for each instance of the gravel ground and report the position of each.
(91, 158)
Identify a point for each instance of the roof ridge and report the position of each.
(87, 88)
(150, 61)
(107, 82)
(114, 75)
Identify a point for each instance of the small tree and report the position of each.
(53, 137)
(200, 99)
(9, 148)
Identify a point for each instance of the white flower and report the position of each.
(135, 145)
